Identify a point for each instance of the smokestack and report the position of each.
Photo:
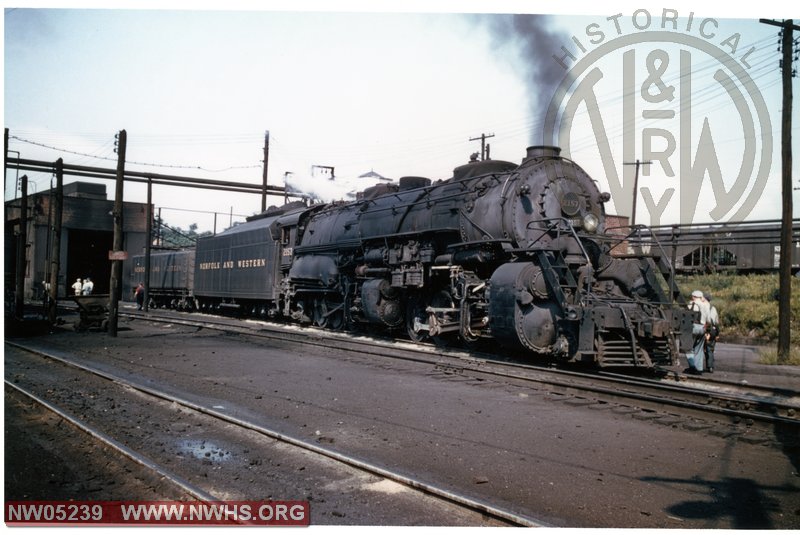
(541, 151)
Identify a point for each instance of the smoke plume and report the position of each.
(533, 40)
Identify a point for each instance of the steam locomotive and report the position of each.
(514, 253)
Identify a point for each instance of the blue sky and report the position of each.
(397, 93)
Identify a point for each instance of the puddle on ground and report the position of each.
(203, 449)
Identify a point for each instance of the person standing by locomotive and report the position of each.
(139, 295)
(712, 333)
(697, 354)
(77, 287)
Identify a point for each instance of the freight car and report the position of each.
(171, 278)
(506, 252)
(746, 247)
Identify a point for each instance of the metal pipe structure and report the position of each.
(120, 174)
(142, 177)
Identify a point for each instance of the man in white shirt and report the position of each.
(697, 354)
(88, 286)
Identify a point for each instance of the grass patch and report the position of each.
(748, 305)
(769, 355)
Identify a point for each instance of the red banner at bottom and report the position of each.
(222, 513)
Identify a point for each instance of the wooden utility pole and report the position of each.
(483, 138)
(22, 251)
(116, 263)
(785, 269)
(147, 246)
(55, 254)
(264, 176)
(5, 157)
(637, 163)
(784, 302)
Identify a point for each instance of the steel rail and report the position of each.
(116, 445)
(427, 488)
(611, 387)
(485, 364)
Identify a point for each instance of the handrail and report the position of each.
(568, 227)
(652, 239)
(561, 224)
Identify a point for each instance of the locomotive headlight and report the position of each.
(590, 222)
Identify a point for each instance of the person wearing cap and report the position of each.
(696, 356)
(712, 333)
(77, 287)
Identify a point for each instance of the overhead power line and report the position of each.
(166, 166)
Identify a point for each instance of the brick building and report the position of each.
(86, 238)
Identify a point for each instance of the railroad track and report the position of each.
(742, 406)
(471, 504)
(96, 434)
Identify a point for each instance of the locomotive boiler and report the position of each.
(511, 253)
(514, 253)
